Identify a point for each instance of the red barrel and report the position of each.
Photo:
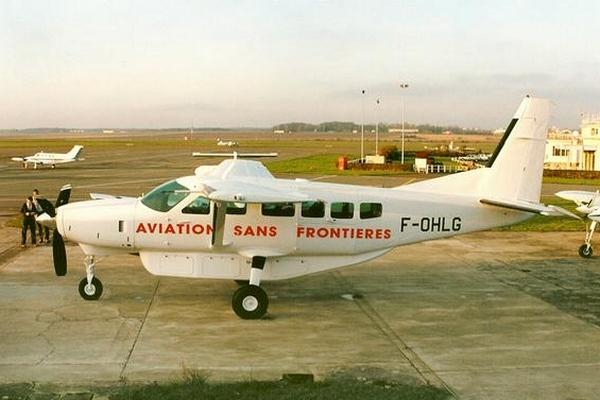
(342, 163)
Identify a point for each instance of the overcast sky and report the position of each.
(258, 63)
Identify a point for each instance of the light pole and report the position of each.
(377, 128)
(362, 128)
(403, 86)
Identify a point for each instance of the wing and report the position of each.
(102, 196)
(526, 206)
(241, 192)
(239, 181)
(576, 196)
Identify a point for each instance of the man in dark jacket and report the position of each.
(42, 205)
(29, 212)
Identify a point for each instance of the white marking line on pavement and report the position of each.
(117, 183)
(322, 177)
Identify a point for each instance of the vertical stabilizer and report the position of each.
(514, 172)
(516, 167)
(75, 152)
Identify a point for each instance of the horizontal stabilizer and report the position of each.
(577, 196)
(536, 208)
(20, 159)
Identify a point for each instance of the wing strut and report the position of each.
(219, 212)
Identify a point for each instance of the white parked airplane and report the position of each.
(588, 203)
(236, 221)
(228, 143)
(51, 159)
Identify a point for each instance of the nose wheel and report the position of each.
(90, 287)
(92, 290)
(585, 250)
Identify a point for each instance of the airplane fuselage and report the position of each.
(352, 224)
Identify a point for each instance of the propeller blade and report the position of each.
(63, 196)
(59, 254)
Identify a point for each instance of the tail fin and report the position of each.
(517, 165)
(75, 152)
(514, 172)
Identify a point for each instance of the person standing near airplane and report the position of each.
(29, 212)
(42, 205)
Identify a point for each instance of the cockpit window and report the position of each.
(165, 196)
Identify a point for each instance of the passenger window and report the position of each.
(236, 208)
(278, 209)
(198, 206)
(313, 209)
(370, 210)
(342, 210)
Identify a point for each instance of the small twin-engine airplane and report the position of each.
(588, 203)
(236, 221)
(51, 159)
(228, 143)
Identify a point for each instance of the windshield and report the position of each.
(165, 196)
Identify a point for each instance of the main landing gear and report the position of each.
(585, 250)
(90, 287)
(250, 301)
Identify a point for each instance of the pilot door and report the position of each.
(269, 228)
(186, 226)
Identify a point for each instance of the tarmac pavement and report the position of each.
(498, 315)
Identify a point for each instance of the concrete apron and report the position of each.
(467, 313)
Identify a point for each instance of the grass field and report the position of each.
(196, 387)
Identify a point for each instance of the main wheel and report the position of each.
(92, 291)
(250, 302)
(585, 251)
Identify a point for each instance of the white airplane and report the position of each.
(229, 143)
(588, 203)
(51, 159)
(236, 221)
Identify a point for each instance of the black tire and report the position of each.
(97, 289)
(241, 282)
(585, 251)
(250, 302)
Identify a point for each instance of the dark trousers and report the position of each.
(28, 223)
(43, 231)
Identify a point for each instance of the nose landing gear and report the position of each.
(90, 287)
(585, 250)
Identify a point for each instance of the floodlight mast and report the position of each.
(377, 127)
(403, 86)
(362, 128)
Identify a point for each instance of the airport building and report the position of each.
(575, 150)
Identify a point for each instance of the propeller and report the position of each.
(590, 206)
(59, 253)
